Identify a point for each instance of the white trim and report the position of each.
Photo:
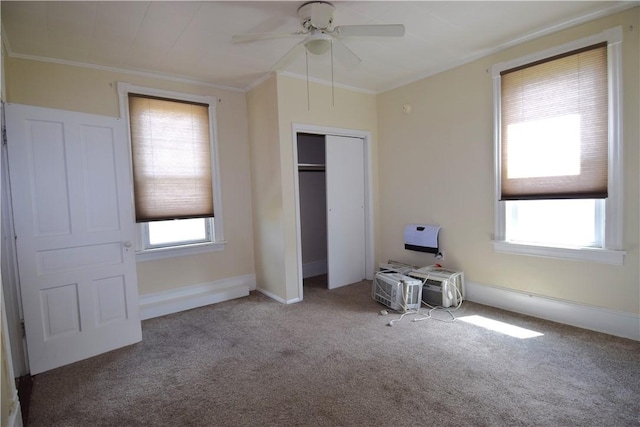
(258, 82)
(518, 41)
(147, 74)
(15, 416)
(605, 256)
(612, 36)
(484, 53)
(614, 237)
(621, 324)
(176, 300)
(218, 222)
(314, 268)
(125, 88)
(10, 277)
(277, 298)
(499, 208)
(15, 411)
(207, 226)
(324, 82)
(178, 251)
(296, 128)
(612, 252)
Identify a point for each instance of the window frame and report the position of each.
(217, 242)
(611, 252)
(208, 227)
(598, 211)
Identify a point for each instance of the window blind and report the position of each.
(555, 127)
(171, 154)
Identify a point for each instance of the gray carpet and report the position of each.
(331, 360)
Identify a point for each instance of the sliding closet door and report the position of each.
(345, 210)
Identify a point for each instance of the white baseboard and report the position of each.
(173, 301)
(314, 268)
(277, 298)
(621, 324)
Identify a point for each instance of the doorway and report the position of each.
(333, 206)
(312, 198)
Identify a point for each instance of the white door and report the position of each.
(73, 214)
(345, 210)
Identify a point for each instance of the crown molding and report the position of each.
(139, 73)
(515, 42)
(325, 82)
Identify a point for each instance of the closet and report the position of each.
(331, 197)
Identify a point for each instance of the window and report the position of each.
(558, 151)
(175, 180)
(161, 234)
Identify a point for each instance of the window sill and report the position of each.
(178, 251)
(605, 256)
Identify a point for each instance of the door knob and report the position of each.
(128, 244)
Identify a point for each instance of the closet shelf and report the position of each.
(312, 167)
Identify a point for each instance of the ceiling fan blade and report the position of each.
(321, 14)
(287, 57)
(344, 54)
(249, 37)
(384, 30)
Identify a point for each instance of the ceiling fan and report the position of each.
(320, 36)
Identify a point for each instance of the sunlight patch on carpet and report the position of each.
(497, 326)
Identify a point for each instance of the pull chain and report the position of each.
(333, 97)
(306, 56)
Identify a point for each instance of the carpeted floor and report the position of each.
(332, 360)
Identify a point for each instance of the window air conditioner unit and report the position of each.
(442, 287)
(397, 291)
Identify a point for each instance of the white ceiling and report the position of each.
(192, 39)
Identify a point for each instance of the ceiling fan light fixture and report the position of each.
(318, 44)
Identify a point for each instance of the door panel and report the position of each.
(345, 210)
(49, 204)
(73, 214)
(101, 189)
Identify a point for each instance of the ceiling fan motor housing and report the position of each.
(316, 20)
(316, 15)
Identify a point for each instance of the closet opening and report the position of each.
(334, 209)
(312, 197)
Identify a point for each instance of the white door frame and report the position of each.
(297, 128)
(9, 276)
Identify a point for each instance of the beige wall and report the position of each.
(349, 110)
(94, 91)
(284, 99)
(436, 166)
(262, 103)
